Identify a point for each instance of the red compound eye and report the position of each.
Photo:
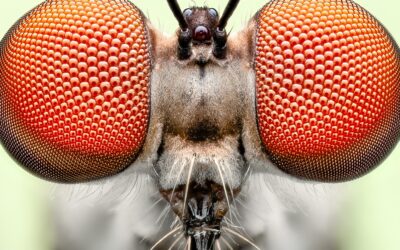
(328, 88)
(74, 96)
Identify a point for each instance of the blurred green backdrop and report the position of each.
(372, 221)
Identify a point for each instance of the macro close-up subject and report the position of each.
(212, 125)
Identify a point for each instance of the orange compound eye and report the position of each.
(74, 96)
(328, 88)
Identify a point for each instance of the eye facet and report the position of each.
(74, 100)
(328, 88)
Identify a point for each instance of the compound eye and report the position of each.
(74, 96)
(328, 92)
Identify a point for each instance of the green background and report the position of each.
(371, 221)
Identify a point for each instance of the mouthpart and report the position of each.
(201, 208)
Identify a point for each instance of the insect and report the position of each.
(90, 90)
